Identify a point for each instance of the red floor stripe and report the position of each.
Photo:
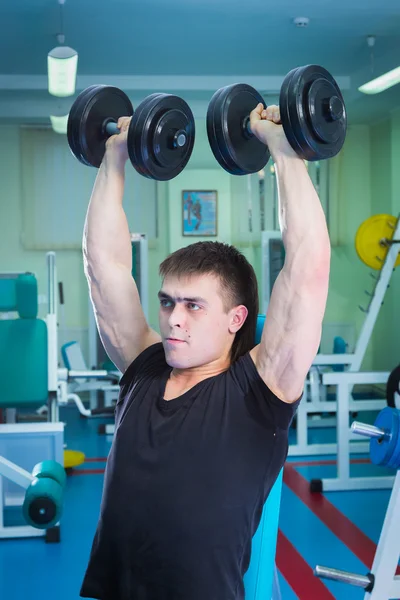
(323, 463)
(344, 529)
(348, 533)
(101, 459)
(298, 572)
(87, 472)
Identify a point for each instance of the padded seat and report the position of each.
(23, 345)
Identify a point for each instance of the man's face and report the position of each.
(195, 327)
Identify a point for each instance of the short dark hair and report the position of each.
(237, 277)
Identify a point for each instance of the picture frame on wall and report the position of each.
(200, 213)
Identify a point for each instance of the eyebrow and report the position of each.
(195, 299)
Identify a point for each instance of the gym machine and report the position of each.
(381, 583)
(41, 501)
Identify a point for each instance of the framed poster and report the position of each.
(199, 213)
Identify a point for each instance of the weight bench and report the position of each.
(74, 361)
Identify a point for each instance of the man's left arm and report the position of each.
(293, 325)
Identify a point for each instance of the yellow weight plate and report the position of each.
(369, 237)
(73, 458)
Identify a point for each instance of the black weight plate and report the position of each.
(317, 113)
(319, 135)
(134, 136)
(393, 386)
(91, 110)
(284, 112)
(211, 131)
(152, 137)
(215, 132)
(72, 128)
(236, 151)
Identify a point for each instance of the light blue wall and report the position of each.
(368, 182)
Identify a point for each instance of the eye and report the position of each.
(193, 306)
(165, 303)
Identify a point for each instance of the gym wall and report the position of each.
(385, 191)
(365, 181)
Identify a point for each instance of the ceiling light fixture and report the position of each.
(383, 82)
(62, 65)
(301, 22)
(59, 124)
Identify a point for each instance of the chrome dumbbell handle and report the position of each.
(364, 581)
(368, 430)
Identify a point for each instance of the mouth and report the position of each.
(174, 341)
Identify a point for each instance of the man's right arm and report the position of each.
(107, 256)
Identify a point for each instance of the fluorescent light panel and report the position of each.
(382, 83)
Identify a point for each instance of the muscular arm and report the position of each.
(107, 258)
(293, 324)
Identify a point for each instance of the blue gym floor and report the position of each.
(341, 531)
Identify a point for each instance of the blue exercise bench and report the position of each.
(260, 580)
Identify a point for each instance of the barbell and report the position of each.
(160, 137)
(313, 116)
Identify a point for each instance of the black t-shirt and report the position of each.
(185, 484)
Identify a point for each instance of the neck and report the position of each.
(193, 375)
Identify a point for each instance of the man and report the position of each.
(203, 416)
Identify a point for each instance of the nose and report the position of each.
(177, 316)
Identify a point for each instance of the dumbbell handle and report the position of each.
(364, 581)
(247, 127)
(179, 140)
(368, 430)
(112, 128)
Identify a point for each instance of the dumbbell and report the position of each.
(160, 136)
(313, 116)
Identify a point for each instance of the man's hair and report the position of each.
(237, 279)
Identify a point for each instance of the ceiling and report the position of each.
(193, 47)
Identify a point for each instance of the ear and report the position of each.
(238, 315)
